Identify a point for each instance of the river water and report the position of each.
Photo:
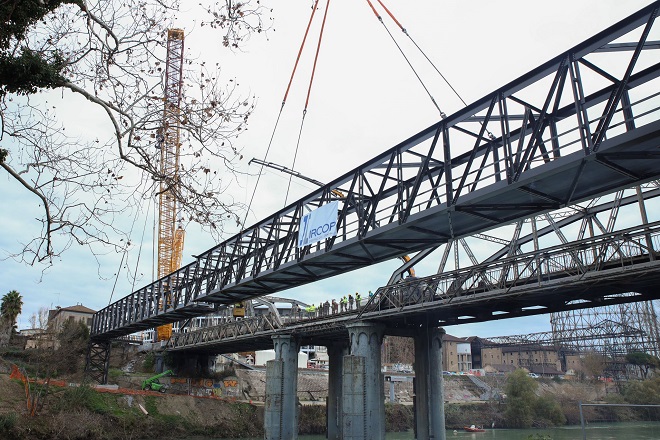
(595, 431)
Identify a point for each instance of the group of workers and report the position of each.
(346, 303)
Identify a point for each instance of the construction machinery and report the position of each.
(153, 383)
(170, 237)
(335, 192)
(295, 173)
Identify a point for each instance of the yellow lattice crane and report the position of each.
(170, 237)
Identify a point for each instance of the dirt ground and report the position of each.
(12, 396)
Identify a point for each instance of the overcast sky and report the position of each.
(365, 99)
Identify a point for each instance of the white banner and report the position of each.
(318, 224)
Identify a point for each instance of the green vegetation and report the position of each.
(10, 308)
(73, 340)
(642, 393)
(458, 415)
(313, 419)
(524, 408)
(114, 373)
(7, 423)
(25, 72)
(398, 418)
(76, 398)
(643, 361)
(12, 304)
(149, 362)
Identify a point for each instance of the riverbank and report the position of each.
(72, 413)
(231, 405)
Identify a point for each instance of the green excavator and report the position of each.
(154, 384)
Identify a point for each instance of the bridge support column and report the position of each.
(363, 406)
(336, 353)
(281, 412)
(429, 397)
(97, 361)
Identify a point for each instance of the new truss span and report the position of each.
(583, 124)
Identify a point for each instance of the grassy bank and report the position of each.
(79, 413)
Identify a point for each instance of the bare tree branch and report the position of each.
(92, 181)
(49, 249)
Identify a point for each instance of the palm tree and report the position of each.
(12, 304)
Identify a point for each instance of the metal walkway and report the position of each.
(583, 124)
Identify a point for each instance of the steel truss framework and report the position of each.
(598, 215)
(584, 273)
(98, 360)
(583, 124)
(588, 273)
(612, 339)
(639, 316)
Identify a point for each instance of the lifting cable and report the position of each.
(144, 228)
(272, 136)
(309, 91)
(123, 256)
(311, 17)
(405, 31)
(442, 114)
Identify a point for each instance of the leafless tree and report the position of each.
(399, 350)
(39, 319)
(90, 184)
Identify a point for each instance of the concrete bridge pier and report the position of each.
(429, 396)
(363, 405)
(336, 353)
(281, 411)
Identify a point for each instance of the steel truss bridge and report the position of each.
(584, 124)
(591, 272)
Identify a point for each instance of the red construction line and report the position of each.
(300, 51)
(316, 57)
(391, 16)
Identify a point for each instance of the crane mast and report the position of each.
(170, 237)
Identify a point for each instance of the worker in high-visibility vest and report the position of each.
(311, 311)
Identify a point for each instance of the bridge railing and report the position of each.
(619, 249)
(565, 108)
(230, 330)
